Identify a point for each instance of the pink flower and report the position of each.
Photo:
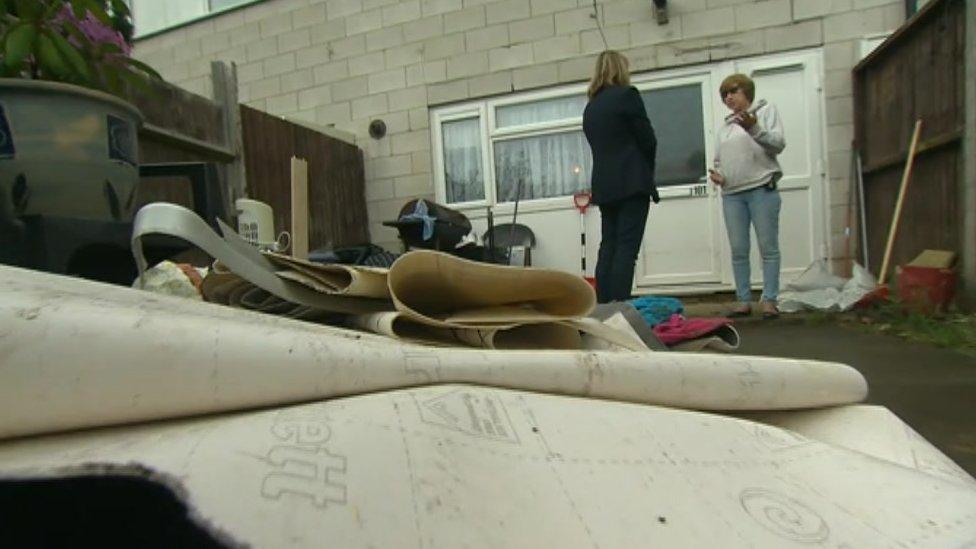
(95, 31)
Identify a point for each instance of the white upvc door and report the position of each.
(685, 246)
(792, 82)
(682, 241)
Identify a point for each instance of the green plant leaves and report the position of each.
(94, 6)
(36, 43)
(19, 43)
(49, 58)
(120, 8)
(77, 63)
(29, 10)
(144, 68)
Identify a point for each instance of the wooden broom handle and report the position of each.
(883, 275)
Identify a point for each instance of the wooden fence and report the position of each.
(336, 184)
(917, 73)
(183, 127)
(252, 151)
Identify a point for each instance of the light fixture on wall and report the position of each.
(377, 129)
(661, 11)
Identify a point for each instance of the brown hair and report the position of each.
(611, 69)
(738, 81)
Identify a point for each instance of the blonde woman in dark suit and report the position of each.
(624, 147)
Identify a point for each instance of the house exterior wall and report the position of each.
(347, 62)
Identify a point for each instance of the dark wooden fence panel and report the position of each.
(336, 183)
(930, 217)
(172, 109)
(179, 126)
(918, 73)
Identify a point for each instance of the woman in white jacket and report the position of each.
(747, 171)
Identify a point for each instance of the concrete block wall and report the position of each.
(343, 63)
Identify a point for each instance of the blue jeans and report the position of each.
(758, 207)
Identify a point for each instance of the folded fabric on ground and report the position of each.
(697, 334)
(656, 309)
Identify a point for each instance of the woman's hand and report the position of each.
(716, 177)
(745, 120)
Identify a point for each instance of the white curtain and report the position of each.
(463, 173)
(546, 110)
(548, 166)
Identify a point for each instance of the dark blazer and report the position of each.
(623, 144)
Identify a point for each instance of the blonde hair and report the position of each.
(738, 82)
(612, 69)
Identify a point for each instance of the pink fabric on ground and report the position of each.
(678, 328)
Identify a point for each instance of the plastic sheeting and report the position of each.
(816, 288)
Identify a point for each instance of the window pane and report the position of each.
(152, 15)
(676, 114)
(546, 110)
(463, 173)
(548, 165)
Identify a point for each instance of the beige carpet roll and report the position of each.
(448, 291)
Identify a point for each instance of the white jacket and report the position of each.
(747, 159)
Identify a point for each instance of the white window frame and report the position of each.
(210, 13)
(450, 114)
(485, 108)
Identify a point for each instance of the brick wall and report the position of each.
(345, 62)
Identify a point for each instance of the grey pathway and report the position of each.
(931, 389)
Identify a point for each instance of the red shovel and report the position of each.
(582, 201)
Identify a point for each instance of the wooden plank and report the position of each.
(299, 208)
(896, 217)
(183, 141)
(224, 79)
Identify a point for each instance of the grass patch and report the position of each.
(950, 330)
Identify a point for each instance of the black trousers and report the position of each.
(622, 224)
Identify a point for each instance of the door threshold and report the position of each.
(684, 289)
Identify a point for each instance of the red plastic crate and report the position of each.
(926, 289)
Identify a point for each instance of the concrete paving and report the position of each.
(931, 389)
